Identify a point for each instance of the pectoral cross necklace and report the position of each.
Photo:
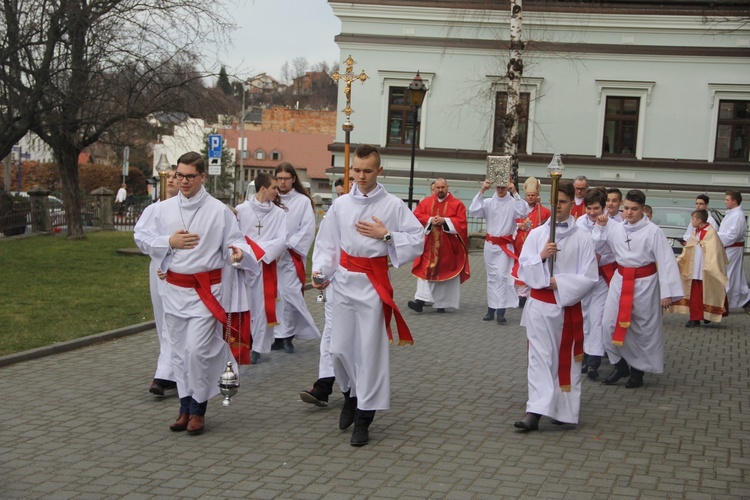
(260, 220)
(628, 240)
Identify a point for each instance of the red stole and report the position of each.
(572, 335)
(270, 283)
(629, 275)
(376, 269)
(299, 265)
(578, 210)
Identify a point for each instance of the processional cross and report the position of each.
(348, 77)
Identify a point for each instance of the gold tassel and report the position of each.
(565, 388)
(274, 324)
(405, 342)
(624, 324)
(578, 358)
(617, 343)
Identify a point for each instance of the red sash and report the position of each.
(502, 242)
(738, 244)
(376, 269)
(201, 283)
(607, 271)
(629, 275)
(572, 335)
(300, 266)
(270, 283)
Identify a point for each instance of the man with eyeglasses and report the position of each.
(581, 185)
(164, 380)
(295, 320)
(195, 237)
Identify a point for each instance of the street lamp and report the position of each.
(162, 168)
(417, 92)
(556, 168)
(242, 149)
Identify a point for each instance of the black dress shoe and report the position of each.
(584, 368)
(635, 380)
(692, 324)
(254, 358)
(156, 389)
(530, 422)
(620, 370)
(593, 373)
(360, 435)
(440, 309)
(416, 305)
(705, 321)
(490, 314)
(278, 344)
(346, 419)
(555, 422)
(501, 320)
(314, 396)
(288, 346)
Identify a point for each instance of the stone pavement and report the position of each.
(82, 425)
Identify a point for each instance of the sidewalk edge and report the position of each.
(70, 345)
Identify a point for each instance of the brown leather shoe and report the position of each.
(195, 425)
(181, 423)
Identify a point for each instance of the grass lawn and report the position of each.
(55, 290)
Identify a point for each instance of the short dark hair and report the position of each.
(366, 150)
(262, 180)
(566, 187)
(581, 178)
(339, 182)
(704, 198)
(615, 190)
(636, 196)
(735, 195)
(594, 196)
(702, 214)
(193, 159)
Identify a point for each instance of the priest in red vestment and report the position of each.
(581, 185)
(538, 215)
(444, 264)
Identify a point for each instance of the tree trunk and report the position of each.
(514, 74)
(68, 160)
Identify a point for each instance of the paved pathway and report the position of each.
(82, 425)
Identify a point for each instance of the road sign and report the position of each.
(214, 154)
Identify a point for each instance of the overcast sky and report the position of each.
(271, 32)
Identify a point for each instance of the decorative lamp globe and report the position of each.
(556, 166)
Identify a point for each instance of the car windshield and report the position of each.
(671, 216)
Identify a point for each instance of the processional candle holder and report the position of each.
(319, 280)
(229, 384)
(556, 168)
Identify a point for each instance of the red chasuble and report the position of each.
(537, 216)
(578, 210)
(445, 255)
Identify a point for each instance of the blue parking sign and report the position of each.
(214, 146)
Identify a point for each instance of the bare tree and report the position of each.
(111, 61)
(299, 67)
(513, 75)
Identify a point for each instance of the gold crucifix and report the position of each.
(348, 77)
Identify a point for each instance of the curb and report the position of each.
(70, 345)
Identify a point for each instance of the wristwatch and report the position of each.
(388, 237)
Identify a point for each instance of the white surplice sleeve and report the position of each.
(408, 238)
(477, 207)
(574, 284)
(327, 251)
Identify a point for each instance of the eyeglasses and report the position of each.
(283, 179)
(189, 177)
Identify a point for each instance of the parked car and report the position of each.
(56, 213)
(674, 222)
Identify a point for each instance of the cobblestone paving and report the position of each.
(82, 425)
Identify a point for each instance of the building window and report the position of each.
(620, 126)
(260, 155)
(733, 131)
(400, 118)
(501, 105)
(275, 155)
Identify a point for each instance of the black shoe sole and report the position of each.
(309, 398)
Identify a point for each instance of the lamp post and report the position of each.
(242, 148)
(417, 92)
(162, 168)
(556, 168)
